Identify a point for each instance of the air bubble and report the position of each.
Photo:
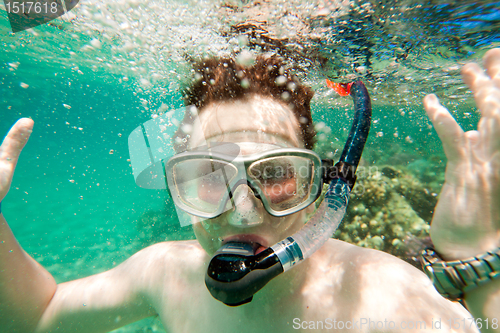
(361, 69)
(187, 128)
(303, 120)
(242, 40)
(96, 43)
(163, 107)
(245, 58)
(319, 126)
(245, 84)
(145, 83)
(280, 80)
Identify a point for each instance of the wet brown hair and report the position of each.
(223, 79)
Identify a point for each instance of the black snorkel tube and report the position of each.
(235, 273)
(360, 125)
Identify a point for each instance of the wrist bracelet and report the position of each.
(452, 279)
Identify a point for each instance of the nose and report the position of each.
(248, 210)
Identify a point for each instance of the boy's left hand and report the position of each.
(466, 219)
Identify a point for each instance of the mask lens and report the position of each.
(202, 184)
(285, 181)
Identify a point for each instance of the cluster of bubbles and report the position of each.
(401, 50)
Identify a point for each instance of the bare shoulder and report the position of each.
(172, 273)
(173, 249)
(161, 257)
(370, 266)
(165, 264)
(373, 282)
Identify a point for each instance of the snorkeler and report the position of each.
(340, 286)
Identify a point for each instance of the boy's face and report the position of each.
(261, 123)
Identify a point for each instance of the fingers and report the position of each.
(482, 87)
(450, 133)
(15, 141)
(486, 90)
(472, 137)
(492, 65)
(474, 77)
(489, 129)
(474, 141)
(495, 167)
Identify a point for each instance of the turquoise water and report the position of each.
(73, 204)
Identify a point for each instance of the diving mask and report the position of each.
(204, 181)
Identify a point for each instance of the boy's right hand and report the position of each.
(10, 149)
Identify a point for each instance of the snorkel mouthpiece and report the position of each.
(235, 273)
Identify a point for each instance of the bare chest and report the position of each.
(352, 295)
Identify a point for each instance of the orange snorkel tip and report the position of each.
(343, 89)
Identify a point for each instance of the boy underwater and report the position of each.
(339, 284)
